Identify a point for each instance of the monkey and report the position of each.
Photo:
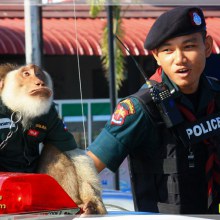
(27, 93)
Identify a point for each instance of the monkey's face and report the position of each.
(28, 90)
(33, 81)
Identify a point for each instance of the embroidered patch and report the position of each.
(5, 123)
(33, 133)
(195, 18)
(118, 118)
(130, 105)
(41, 126)
(64, 126)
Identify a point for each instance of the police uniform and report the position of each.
(21, 152)
(168, 171)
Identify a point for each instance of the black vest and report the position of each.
(167, 183)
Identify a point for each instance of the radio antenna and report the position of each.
(136, 63)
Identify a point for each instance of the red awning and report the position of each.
(62, 35)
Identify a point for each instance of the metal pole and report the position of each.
(112, 86)
(33, 32)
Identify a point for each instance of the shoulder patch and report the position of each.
(120, 114)
(130, 105)
(64, 126)
(44, 127)
(33, 133)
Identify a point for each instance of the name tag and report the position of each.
(5, 123)
(202, 129)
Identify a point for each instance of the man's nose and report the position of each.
(180, 57)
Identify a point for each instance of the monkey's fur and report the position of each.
(73, 170)
(79, 171)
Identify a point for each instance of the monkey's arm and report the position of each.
(89, 182)
(76, 173)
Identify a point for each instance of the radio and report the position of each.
(164, 101)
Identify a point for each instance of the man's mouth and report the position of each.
(183, 70)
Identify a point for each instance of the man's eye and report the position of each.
(167, 50)
(190, 46)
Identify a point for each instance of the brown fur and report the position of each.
(5, 68)
(57, 165)
(77, 176)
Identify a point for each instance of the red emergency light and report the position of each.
(22, 193)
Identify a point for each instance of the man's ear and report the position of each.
(208, 46)
(155, 54)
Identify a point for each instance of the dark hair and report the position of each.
(204, 33)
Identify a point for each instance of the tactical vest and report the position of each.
(170, 182)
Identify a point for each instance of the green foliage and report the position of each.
(95, 7)
(118, 55)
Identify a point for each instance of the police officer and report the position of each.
(169, 140)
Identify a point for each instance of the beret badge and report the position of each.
(196, 19)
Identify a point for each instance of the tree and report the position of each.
(95, 8)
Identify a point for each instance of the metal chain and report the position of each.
(15, 118)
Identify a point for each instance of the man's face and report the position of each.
(183, 59)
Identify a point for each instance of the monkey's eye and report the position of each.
(26, 73)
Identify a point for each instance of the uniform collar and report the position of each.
(208, 87)
(171, 85)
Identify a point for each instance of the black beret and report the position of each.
(177, 22)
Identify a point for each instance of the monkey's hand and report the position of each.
(89, 209)
(88, 181)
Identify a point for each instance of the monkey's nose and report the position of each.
(40, 83)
